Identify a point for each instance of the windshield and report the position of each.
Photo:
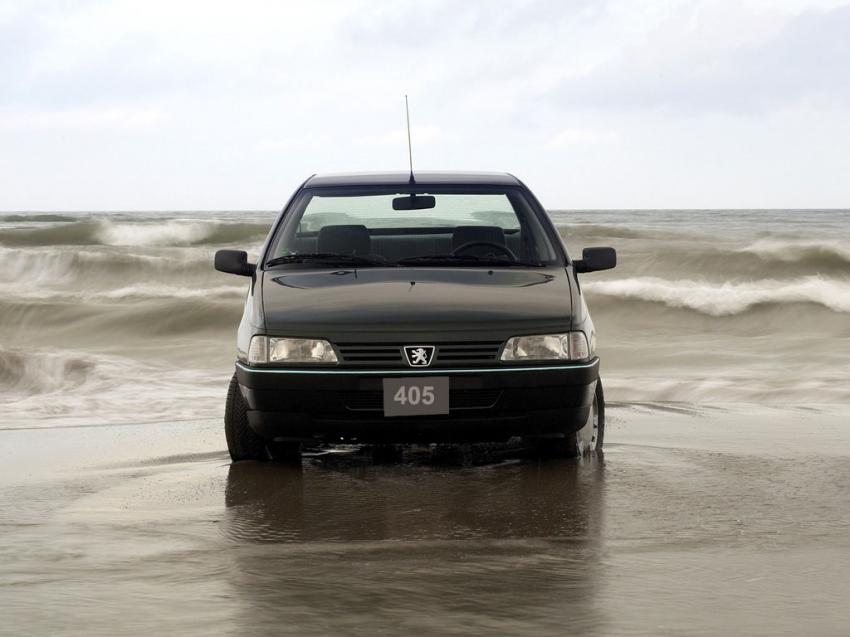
(428, 227)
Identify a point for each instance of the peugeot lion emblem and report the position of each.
(419, 355)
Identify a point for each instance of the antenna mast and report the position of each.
(409, 144)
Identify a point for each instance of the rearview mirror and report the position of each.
(414, 202)
(595, 259)
(234, 262)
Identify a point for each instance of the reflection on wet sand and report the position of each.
(337, 501)
(367, 543)
(721, 521)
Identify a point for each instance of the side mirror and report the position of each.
(234, 262)
(595, 259)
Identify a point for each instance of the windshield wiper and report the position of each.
(464, 259)
(328, 257)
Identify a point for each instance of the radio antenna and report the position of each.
(409, 144)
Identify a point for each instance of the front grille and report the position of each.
(458, 399)
(446, 354)
(370, 353)
(467, 352)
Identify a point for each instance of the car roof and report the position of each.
(423, 177)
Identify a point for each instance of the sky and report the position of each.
(183, 105)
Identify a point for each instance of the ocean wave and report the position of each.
(577, 230)
(826, 252)
(36, 218)
(50, 387)
(25, 374)
(140, 291)
(50, 266)
(168, 291)
(108, 267)
(727, 385)
(726, 299)
(763, 260)
(123, 318)
(106, 232)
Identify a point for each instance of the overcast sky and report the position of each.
(593, 103)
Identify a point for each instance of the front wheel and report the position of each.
(244, 443)
(585, 441)
(590, 436)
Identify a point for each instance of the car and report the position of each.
(395, 308)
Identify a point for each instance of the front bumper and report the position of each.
(486, 404)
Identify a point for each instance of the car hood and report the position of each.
(438, 303)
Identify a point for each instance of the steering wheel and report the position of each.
(489, 244)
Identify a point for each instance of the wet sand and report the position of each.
(699, 521)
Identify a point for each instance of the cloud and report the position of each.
(398, 137)
(701, 61)
(234, 104)
(584, 136)
(81, 118)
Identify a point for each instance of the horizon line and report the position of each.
(277, 210)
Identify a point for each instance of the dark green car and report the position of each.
(388, 310)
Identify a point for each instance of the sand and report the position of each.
(732, 519)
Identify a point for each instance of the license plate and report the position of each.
(416, 396)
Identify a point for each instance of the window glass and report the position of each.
(354, 222)
(376, 211)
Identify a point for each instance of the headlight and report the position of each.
(571, 346)
(268, 349)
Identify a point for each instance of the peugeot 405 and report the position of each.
(393, 308)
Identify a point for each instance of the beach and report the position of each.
(732, 519)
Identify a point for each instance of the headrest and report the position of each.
(468, 234)
(353, 239)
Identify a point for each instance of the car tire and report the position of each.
(586, 441)
(243, 443)
(592, 441)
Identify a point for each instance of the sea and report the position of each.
(119, 317)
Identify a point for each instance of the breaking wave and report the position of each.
(44, 387)
(735, 385)
(141, 291)
(36, 218)
(824, 252)
(48, 266)
(29, 374)
(725, 299)
(137, 234)
(580, 230)
(104, 317)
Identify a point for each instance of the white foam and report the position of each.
(92, 274)
(173, 232)
(167, 291)
(738, 384)
(790, 251)
(723, 299)
(140, 291)
(60, 387)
